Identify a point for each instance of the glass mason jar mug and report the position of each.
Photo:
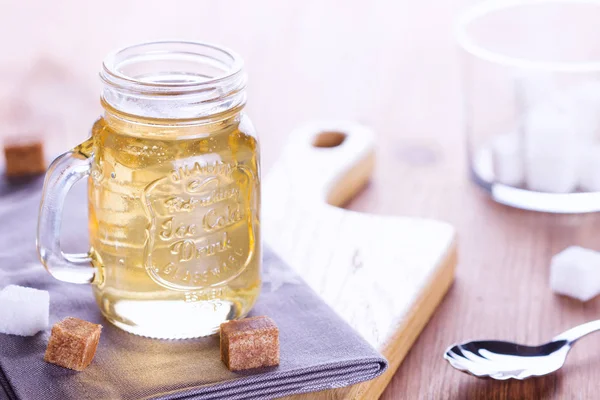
(173, 190)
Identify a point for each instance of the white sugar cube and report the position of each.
(23, 311)
(589, 175)
(551, 150)
(575, 272)
(508, 160)
(535, 88)
(547, 126)
(584, 105)
(553, 173)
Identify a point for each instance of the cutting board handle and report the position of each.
(330, 159)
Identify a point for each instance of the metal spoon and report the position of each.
(505, 360)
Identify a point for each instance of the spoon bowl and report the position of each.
(505, 360)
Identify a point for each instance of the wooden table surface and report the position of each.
(391, 65)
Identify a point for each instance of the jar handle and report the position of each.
(62, 174)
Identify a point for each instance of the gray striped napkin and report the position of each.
(318, 350)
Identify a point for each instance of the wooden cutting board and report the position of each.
(384, 275)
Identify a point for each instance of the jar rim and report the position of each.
(230, 63)
(488, 8)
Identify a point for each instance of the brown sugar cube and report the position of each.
(73, 343)
(24, 157)
(250, 343)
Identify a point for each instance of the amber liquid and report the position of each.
(174, 223)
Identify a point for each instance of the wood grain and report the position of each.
(383, 275)
(391, 65)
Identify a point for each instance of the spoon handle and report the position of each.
(574, 334)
